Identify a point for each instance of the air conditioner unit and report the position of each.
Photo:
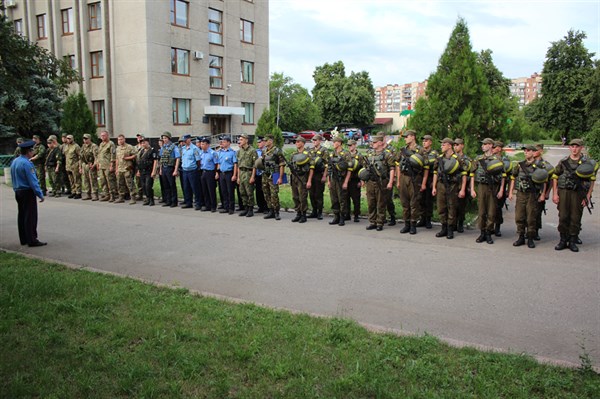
(10, 3)
(198, 55)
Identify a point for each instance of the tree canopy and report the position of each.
(297, 111)
(341, 98)
(267, 125)
(77, 118)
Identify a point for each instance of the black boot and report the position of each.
(356, 219)
(303, 217)
(578, 240)
(443, 232)
(450, 234)
(250, 212)
(244, 212)
(488, 238)
(319, 214)
(342, 222)
(537, 236)
(347, 216)
(277, 217)
(461, 226)
(497, 232)
(313, 214)
(573, 244)
(530, 242)
(336, 219)
(413, 228)
(270, 215)
(562, 244)
(297, 218)
(392, 221)
(421, 222)
(520, 241)
(481, 237)
(428, 223)
(406, 228)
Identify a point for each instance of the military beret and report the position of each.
(351, 142)
(166, 134)
(300, 138)
(447, 140)
(428, 137)
(27, 144)
(87, 136)
(409, 133)
(317, 137)
(487, 140)
(459, 141)
(529, 147)
(578, 142)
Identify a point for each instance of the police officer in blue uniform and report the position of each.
(26, 187)
(227, 160)
(208, 165)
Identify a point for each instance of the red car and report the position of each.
(309, 134)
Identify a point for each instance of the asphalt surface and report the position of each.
(537, 301)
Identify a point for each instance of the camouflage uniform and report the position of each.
(125, 173)
(526, 205)
(72, 156)
(448, 186)
(353, 186)
(411, 179)
(319, 157)
(337, 170)
(389, 194)
(39, 152)
(54, 161)
(89, 154)
(299, 178)
(64, 176)
(461, 203)
(108, 180)
(380, 164)
(246, 157)
(488, 187)
(272, 161)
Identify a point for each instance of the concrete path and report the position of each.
(542, 302)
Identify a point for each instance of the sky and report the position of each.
(401, 41)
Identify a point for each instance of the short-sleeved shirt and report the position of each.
(106, 154)
(190, 157)
(226, 159)
(208, 159)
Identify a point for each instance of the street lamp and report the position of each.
(278, 97)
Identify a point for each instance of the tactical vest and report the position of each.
(52, 158)
(271, 160)
(301, 166)
(317, 157)
(569, 180)
(405, 165)
(165, 158)
(338, 165)
(145, 160)
(378, 166)
(481, 174)
(443, 175)
(87, 154)
(524, 182)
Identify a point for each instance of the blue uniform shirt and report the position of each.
(190, 157)
(259, 172)
(174, 154)
(208, 159)
(22, 173)
(227, 158)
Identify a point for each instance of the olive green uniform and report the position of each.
(410, 184)
(426, 197)
(319, 158)
(54, 161)
(125, 172)
(488, 186)
(528, 193)
(72, 156)
(337, 170)
(299, 179)
(246, 158)
(461, 203)
(89, 153)
(542, 204)
(448, 186)
(39, 152)
(380, 165)
(389, 199)
(108, 180)
(353, 186)
(64, 176)
(272, 161)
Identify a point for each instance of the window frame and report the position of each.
(99, 112)
(251, 80)
(97, 64)
(243, 31)
(175, 111)
(217, 68)
(244, 121)
(94, 15)
(70, 58)
(42, 26)
(173, 14)
(175, 64)
(219, 33)
(18, 26)
(68, 12)
(219, 96)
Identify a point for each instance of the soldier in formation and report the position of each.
(353, 197)
(125, 156)
(72, 153)
(54, 162)
(430, 154)
(147, 168)
(317, 176)
(379, 173)
(169, 158)
(274, 166)
(461, 203)
(338, 177)
(299, 168)
(39, 161)
(245, 175)
(87, 168)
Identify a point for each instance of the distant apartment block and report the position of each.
(526, 89)
(187, 66)
(398, 98)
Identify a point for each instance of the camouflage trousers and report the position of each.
(64, 179)
(108, 183)
(89, 180)
(74, 179)
(55, 180)
(526, 211)
(300, 192)
(570, 211)
(246, 189)
(376, 202)
(126, 184)
(447, 199)
(40, 171)
(410, 197)
(271, 192)
(338, 196)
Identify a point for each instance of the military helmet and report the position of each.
(258, 164)
(432, 156)
(341, 165)
(450, 165)
(353, 164)
(300, 159)
(494, 166)
(587, 169)
(364, 174)
(416, 161)
(508, 165)
(539, 175)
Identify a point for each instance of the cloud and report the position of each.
(401, 41)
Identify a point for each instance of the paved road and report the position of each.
(540, 301)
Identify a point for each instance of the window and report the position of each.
(41, 27)
(216, 99)
(98, 110)
(97, 64)
(70, 58)
(216, 72)
(215, 26)
(18, 26)
(67, 21)
(181, 111)
(95, 16)
(180, 61)
(179, 13)
(247, 72)
(246, 31)
(249, 113)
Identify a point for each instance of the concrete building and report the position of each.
(526, 89)
(398, 98)
(187, 66)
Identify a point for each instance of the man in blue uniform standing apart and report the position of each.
(26, 187)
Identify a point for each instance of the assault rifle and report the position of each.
(588, 204)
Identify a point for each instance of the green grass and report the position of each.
(75, 334)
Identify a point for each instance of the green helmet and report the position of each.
(364, 174)
(495, 166)
(450, 165)
(416, 161)
(258, 164)
(353, 164)
(539, 175)
(587, 169)
(508, 165)
(300, 159)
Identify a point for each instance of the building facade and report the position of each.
(526, 89)
(398, 98)
(195, 67)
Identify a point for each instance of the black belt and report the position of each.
(246, 169)
(208, 170)
(226, 171)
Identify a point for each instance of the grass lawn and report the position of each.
(76, 334)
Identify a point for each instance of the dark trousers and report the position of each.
(354, 196)
(228, 190)
(169, 184)
(260, 195)
(427, 199)
(209, 189)
(27, 216)
(191, 188)
(316, 191)
(147, 182)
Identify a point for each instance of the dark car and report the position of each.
(289, 137)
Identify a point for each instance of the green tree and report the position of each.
(458, 100)
(592, 107)
(32, 85)
(341, 98)
(297, 111)
(267, 125)
(77, 117)
(567, 68)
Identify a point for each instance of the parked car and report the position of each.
(308, 134)
(289, 137)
